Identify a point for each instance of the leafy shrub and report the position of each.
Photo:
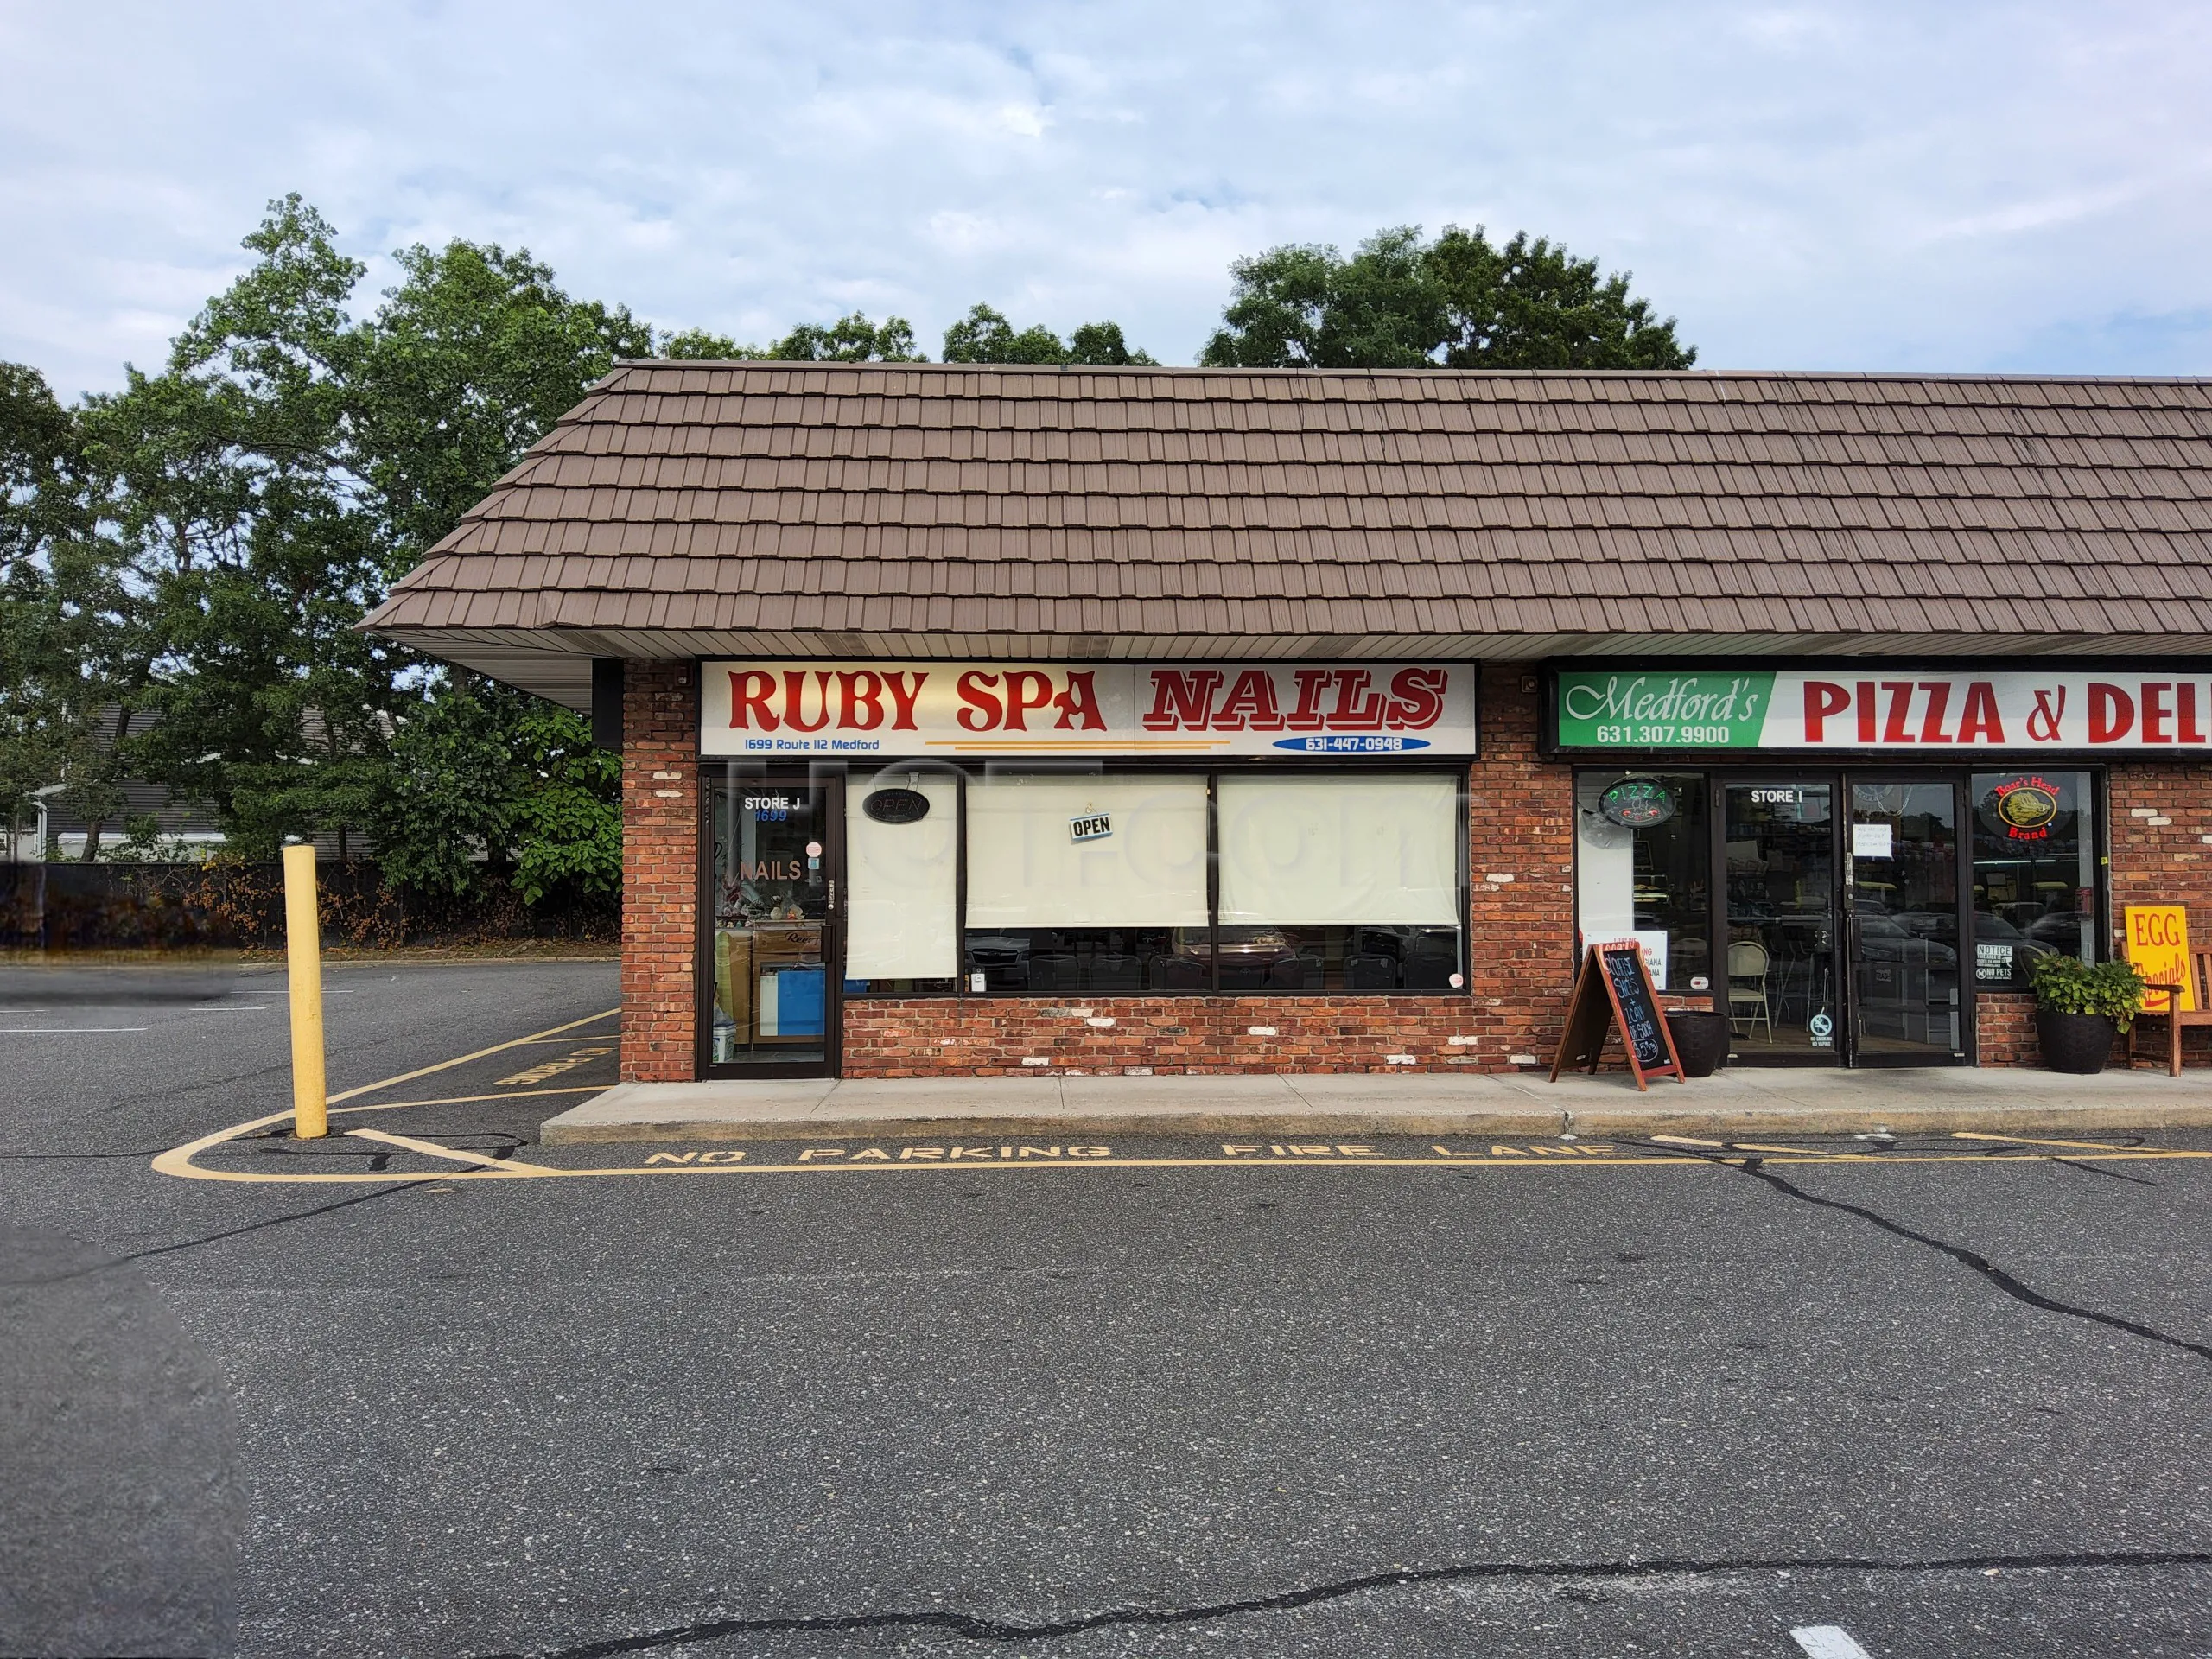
(2066, 984)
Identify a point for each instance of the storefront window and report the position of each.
(1083, 884)
(902, 836)
(1642, 849)
(2034, 872)
(1339, 883)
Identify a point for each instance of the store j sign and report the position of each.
(1901, 710)
(1314, 710)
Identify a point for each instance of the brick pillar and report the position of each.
(2160, 843)
(660, 871)
(1520, 876)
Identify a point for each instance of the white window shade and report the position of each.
(1303, 852)
(901, 882)
(1026, 868)
(1605, 869)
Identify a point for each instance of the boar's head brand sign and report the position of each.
(1319, 711)
(1901, 710)
(2025, 807)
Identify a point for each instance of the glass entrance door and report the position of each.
(1781, 989)
(1901, 896)
(773, 957)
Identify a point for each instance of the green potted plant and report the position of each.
(2081, 1008)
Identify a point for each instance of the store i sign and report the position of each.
(1314, 710)
(1902, 710)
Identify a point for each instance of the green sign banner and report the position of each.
(1632, 709)
(1896, 709)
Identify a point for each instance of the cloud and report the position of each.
(1872, 186)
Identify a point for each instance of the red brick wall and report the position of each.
(2161, 837)
(1107, 1035)
(1520, 871)
(1521, 834)
(660, 871)
(2005, 1029)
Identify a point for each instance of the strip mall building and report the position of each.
(999, 721)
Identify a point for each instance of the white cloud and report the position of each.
(1867, 186)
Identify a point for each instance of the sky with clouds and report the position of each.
(1950, 187)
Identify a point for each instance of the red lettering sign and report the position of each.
(1079, 704)
(1311, 683)
(1417, 698)
(1181, 700)
(1821, 700)
(2156, 714)
(1939, 694)
(749, 691)
(1025, 688)
(2112, 713)
(979, 706)
(1250, 703)
(1977, 723)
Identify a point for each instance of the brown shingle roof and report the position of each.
(923, 510)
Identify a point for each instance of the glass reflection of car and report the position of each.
(1003, 958)
(2063, 930)
(1885, 938)
(1237, 947)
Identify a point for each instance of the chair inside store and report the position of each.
(1748, 1004)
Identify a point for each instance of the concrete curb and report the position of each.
(1592, 1123)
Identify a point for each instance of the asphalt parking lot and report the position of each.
(393, 1393)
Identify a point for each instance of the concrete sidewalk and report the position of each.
(1770, 1101)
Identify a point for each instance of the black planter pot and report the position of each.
(2076, 1043)
(1700, 1040)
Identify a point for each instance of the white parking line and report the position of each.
(1827, 1642)
(63, 1031)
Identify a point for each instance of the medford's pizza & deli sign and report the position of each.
(1904, 710)
(1275, 710)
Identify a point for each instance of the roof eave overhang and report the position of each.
(556, 664)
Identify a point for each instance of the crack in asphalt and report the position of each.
(1981, 1264)
(976, 1629)
(2111, 1174)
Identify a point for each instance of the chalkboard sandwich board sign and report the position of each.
(1615, 987)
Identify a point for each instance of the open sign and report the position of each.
(1095, 826)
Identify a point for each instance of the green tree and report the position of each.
(486, 776)
(849, 340)
(60, 610)
(568, 829)
(702, 346)
(1100, 345)
(448, 802)
(233, 480)
(1460, 301)
(468, 361)
(285, 466)
(985, 336)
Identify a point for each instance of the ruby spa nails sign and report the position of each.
(1281, 710)
(1902, 710)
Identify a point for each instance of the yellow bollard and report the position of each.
(303, 956)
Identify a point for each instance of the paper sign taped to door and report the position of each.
(1873, 841)
(2157, 945)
